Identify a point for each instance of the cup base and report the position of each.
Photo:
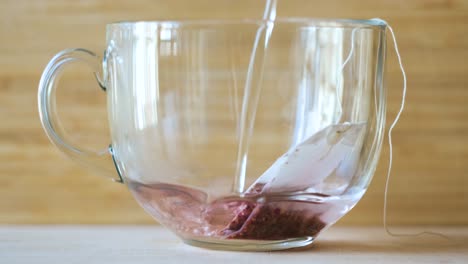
(251, 245)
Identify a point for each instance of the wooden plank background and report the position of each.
(39, 185)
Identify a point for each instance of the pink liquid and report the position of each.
(274, 216)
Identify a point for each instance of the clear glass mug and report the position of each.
(239, 135)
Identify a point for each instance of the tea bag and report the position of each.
(333, 150)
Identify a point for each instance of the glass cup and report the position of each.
(237, 134)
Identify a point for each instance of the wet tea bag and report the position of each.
(333, 150)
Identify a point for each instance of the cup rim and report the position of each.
(317, 22)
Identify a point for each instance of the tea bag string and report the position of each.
(339, 78)
(390, 130)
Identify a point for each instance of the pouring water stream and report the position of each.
(252, 93)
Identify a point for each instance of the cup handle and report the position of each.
(102, 161)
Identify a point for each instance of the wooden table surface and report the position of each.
(154, 244)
